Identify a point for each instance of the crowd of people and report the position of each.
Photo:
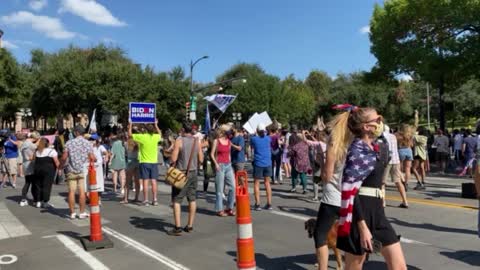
(350, 161)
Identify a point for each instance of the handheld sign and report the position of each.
(142, 112)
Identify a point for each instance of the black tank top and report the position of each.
(375, 179)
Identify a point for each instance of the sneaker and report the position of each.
(176, 231)
(122, 191)
(146, 203)
(14, 186)
(83, 215)
(188, 229)
(418, 186)
(293, 190)
(73, 215)
(304, 192)
(257, 207)
(38, 204)
(23, 202)
(315, 200)
(402, 205)
(154, 203)
(268, 207)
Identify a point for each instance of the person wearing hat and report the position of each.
(27, 152)
(262, 165)
(77, 152)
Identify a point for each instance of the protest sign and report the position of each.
(142, 112)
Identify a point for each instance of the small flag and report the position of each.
(207, 121)
(221, 101)
(92, 127)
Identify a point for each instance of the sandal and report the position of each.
(230, 212)
(222, 214)
(188, 229)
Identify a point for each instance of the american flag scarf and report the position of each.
(360, 162)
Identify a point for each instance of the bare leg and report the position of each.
(192, 209)
(14, 178)
(394, 258)
(145, 190)
(256, 189)
(416, 164)
(81, 198)
(268, 189)
(353, 262)
(71, 201)
(122, 179)
(114, 179)
(423, 171)
(176, 214)
(154, 189)
(137, 185)
(128, 180)
(322, 257)
(401, 189)
(407, 167)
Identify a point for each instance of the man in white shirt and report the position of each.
(393, 168)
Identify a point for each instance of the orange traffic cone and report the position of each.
(245, 243)
(96, 240)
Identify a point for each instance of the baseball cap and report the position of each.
(261, 127)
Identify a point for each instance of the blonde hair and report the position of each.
(344, 128)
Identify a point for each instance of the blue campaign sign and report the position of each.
(142, 112)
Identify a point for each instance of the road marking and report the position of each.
(86, 257)
(10, 226)
(305, 218)
(144, 249)
(434, 203)
(10, 259)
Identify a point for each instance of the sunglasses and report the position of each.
(377, 120)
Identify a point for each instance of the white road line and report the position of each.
(86, 257)
(305, 218)
(144, 249)
(10, 226)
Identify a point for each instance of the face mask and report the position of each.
(379, 127)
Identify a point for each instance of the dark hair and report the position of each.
(422, 131)
(80, 130)
(187, 127)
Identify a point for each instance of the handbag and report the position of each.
(176, 177)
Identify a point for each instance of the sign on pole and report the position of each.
(142, 112)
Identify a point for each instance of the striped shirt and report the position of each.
(393, 147)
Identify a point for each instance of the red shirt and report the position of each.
(223, 152)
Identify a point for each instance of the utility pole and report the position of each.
(428, 105)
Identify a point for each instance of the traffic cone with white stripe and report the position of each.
(245, 243)
(96, 240)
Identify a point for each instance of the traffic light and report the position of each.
(193, 102)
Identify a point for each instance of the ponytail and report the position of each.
(340, 135)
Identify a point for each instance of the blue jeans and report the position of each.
(224, 177)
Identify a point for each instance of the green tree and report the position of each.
(437, 40)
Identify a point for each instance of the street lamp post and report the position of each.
(1, 35)
(192, 97)
(26, 114)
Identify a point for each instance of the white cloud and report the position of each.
(37, 5)
(9, 45)
(51, 27)
(365, 29)
(91, 11)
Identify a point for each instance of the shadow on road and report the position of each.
(150, 223)
(282, 263)
(467, 256)
(376, 265)
(433, 227)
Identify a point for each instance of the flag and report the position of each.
(221, 101)
(92, 127)
(207, 121)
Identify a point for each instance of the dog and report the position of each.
(331, 239)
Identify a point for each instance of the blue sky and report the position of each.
(284, 37)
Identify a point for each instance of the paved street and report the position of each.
(438, 232)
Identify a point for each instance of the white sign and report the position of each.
(255, 120)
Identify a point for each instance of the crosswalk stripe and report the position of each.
(10, 226)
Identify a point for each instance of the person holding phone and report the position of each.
(363, 226)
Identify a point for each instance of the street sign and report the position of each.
(142, 112)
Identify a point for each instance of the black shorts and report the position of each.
(189, 190)
(377, 223)
(326, 217)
